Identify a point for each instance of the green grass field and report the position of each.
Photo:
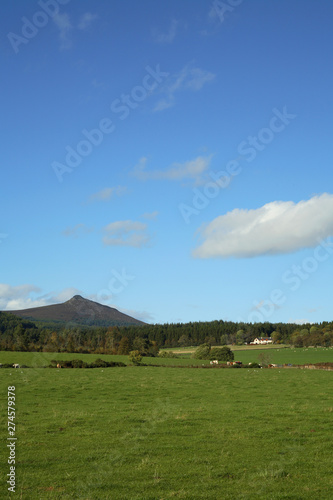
(279, 355)
(145, 433)
(288, 355)
(247, 355)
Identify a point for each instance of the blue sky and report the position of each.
(170, 159)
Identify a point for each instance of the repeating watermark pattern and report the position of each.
(122, 107)
(11, 481)
(30, 28)
(293, 277)
(247, 150)
(222, 8)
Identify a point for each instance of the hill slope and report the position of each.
(80, 311)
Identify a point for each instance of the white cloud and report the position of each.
(64, 26)
(77, 230)
(299, 321)
(187, 79)
(107, 193)
(126, 233)
(163, 104)
(275, 228)
(85, 20)
(198, 78)
(192, 169)
(213, 13)
(150, 215)
(27, 296)
(64, 295)
(144, 316)
(166, 37)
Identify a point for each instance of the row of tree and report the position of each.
(18, 334)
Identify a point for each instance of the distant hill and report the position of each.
(78, 311)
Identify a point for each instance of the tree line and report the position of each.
(17, 334)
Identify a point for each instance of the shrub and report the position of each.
(78, 363)
(221, 354)
(99, 363)
(202, 352)
(167, 354)
(66, 364)
(135, 357)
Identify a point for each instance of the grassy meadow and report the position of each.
(246, 355)
(278, 355)
(146, 433)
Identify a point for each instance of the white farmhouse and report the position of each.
(262, 341)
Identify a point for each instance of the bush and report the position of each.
(78, 363)
(100, 363)
(135, 357)
(221, 354)
(202, 352)
(66, 364)
(167, 354)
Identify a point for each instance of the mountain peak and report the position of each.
(80, 311)
(77, 297)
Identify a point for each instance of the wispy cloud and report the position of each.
(166, 37)
(189, 170)
(77, 230)
(126, 233)
(299, 321)
(28, 296)
(107, 193)
(85, 20)
(213, 12)
(64, 26)
(276, 228)
(96, 84)
(150, 215)
(188, 78)
(144, 316)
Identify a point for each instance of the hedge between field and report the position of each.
(78, 363)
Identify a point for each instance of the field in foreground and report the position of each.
(145, 433)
